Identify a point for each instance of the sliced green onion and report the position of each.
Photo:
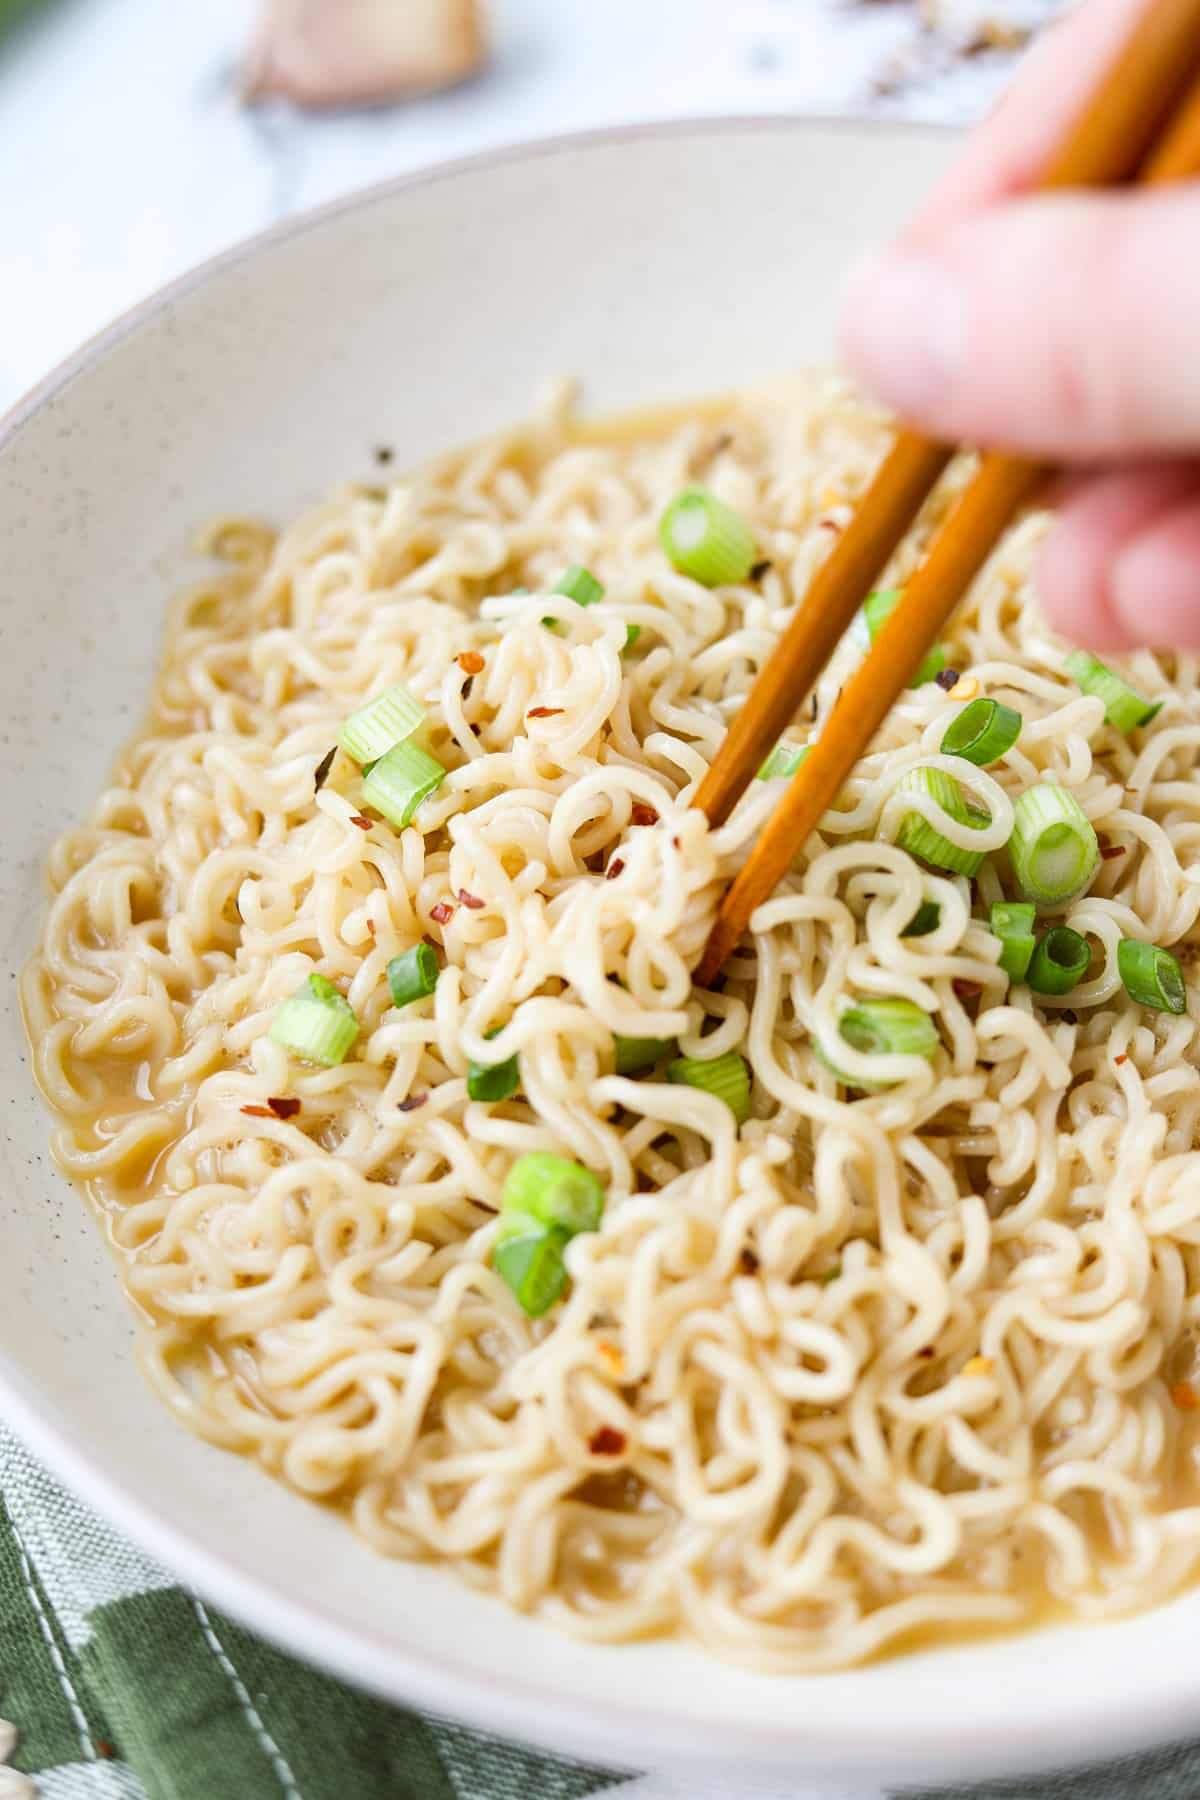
(635, 1054)
(727, 1077)
(1012, 923)
(877, 609)
(983, 730)
(388, 719)
(851, 1081)
(1060, 961)
(399, 782)
(1053, 845)
(493, 1081)
(706, 539)
(1151, 976)
(580, 585)
(632, 634)
(889, 1027)
(316, 1023)
(881, 1027)
(926, 919)
(545, 1200)
(784, 760)
(546, 1189)
(531, 1262)
(920, 838)
(1124, 707)
(412, 975)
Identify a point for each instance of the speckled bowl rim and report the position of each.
(62, 374)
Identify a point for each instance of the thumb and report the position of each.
(1061, 325)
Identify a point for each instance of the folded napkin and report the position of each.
(117, 1684)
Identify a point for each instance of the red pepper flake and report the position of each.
(1185, 1397)
(614, 869)
(1124, 1057)
(606, 1442)
(676, 844)
(104, 1749)
(471, 900)
(544, 712)
(829, 524)
(1110, 852)
(967, 990)
(259, 1112)
(363, 823)
(926, 1350)
(321, 772)
(643, 814)
(470, 662)
(412, 1103)
(442, 913)
(371, 927)
(284, 1106)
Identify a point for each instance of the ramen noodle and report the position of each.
(868, 1362)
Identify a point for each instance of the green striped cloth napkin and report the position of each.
(116, 1684)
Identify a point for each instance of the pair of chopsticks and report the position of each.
(1142, 123)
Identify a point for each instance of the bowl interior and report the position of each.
(654, 265)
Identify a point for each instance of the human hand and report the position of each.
(1062, 325)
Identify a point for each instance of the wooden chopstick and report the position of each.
(837, 590)
(1176, 155)
(1105, 144)
(1108, 142)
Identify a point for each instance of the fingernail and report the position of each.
(904, 328)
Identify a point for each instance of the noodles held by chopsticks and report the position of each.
(872, 1362)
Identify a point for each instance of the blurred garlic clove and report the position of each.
(361, 52)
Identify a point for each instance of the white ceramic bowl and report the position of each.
(655, 264)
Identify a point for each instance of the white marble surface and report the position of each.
(126, 155)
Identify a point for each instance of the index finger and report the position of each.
(1007, 153)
